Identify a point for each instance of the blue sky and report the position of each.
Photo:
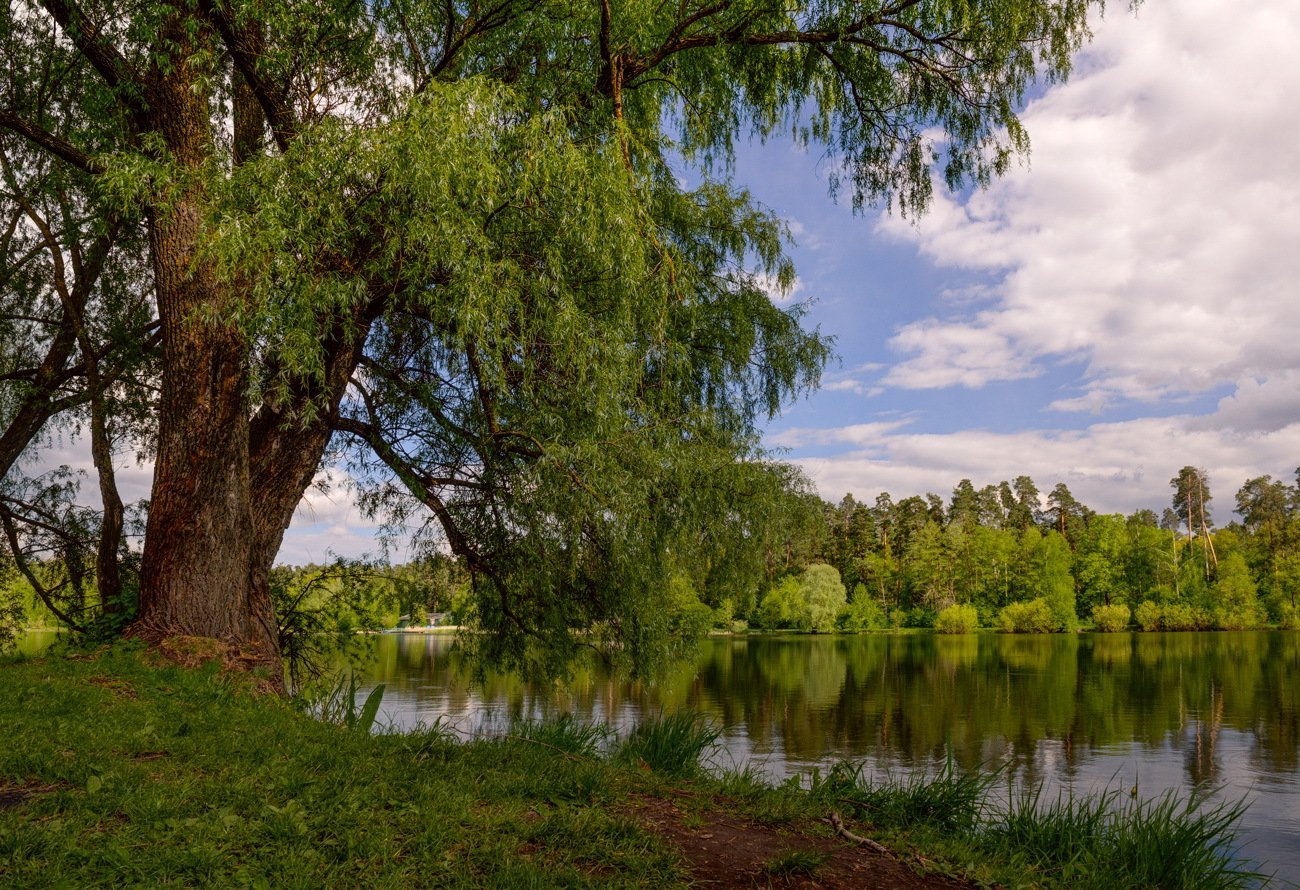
(1121, 304)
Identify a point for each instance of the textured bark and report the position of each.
(197, 566)
(108, 577)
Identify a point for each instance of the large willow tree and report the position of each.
(447, 242)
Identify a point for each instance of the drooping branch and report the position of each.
(7, 520)
(102, 55)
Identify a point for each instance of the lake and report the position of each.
(1077, 713)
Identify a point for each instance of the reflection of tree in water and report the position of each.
(1112, 649)
(1278, 726)
(959, 652)
(1038, 704)
(1202, 755)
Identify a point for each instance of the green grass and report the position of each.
(673, 744)
(145, 774)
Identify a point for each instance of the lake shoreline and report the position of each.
(178, 775)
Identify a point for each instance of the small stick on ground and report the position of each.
(838, 824)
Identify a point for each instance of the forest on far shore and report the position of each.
(1005, 556)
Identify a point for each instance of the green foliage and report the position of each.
(689, 618)
(811, 602)
(565, 733)
(948, 801)
(1289, 617)
(321, 608)
(962, 619)
(1111, 840)
(1151, 616)
(672, 744)
(783, 607)
(824, 597)
(1032, 617)
(862, 614)
(1234, 593)
(1110, 619)
(1147, 615)
(335, 701)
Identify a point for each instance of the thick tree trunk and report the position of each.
(225, 484)
(198, 557)
(197, 570)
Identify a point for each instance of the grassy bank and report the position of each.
(120, 768)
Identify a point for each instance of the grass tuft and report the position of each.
(796, 863)
(564, 733)
(948, 800)
(1108, 840)
(673, 745)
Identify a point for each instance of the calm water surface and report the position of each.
(1076, 713)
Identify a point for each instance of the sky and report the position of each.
(1118, 306)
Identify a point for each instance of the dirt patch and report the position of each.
(722, 851)
(119, 688)
(12, 796)
(193, 652)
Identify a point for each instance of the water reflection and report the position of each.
(1078, 713)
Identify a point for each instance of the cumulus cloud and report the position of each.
(863, 435)
(1152, 237)
(326, 522)
(1112, 467)
(776, 292)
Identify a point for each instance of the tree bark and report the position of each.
(196, 576)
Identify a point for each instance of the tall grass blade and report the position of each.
(673, 745)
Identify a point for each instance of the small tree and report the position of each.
(1110, 619)
(823, 597)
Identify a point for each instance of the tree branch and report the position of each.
(55, 145)
(245, 46)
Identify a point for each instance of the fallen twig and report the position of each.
(838, 824)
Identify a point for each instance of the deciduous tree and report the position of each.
(449, 240)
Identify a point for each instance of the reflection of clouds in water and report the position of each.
(1076, 713)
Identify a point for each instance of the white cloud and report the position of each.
(325, 522)
(1112, 467)
(1153, 235)
(863, 435)
(778, 294)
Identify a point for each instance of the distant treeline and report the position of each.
(999, 556)
(1012, 558)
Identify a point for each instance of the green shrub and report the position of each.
(1288, 618)
(782, 608)
(1237, 618)
(1110, 619)
(688, 618)
(863, 614)
(1147, 616)
(1033, 617)
(921, 616)
(1178, 616)
(957, 620)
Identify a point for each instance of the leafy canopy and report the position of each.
(555, 353)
